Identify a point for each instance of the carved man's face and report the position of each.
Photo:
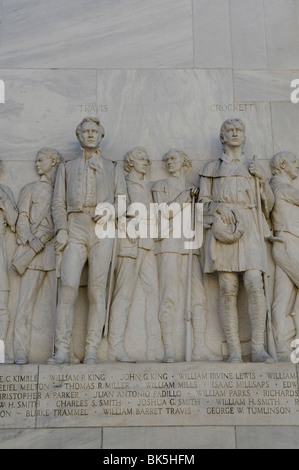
(291, 167)
(89, 135)
(140, 161)
(43, 164)
(174, 162)
(234, 135)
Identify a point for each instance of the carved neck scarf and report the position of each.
(94, 162)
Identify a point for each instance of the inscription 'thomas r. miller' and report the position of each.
(150, 395)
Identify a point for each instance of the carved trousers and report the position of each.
(172, 269)
(83, 246)
(128, 271)
(4, 314)
(229, 285)
(30, 285)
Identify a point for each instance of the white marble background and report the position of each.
(158, 73)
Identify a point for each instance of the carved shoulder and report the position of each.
(210, 169)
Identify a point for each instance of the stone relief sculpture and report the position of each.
(236, 196)
(56, 225)
(8, 219)
(172, 260)
(285, 251)
(81, 185)
(35, 255)
(136, 259)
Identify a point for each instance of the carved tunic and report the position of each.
(35, 218)
(285, 220)
(229, 183)
(140, 191)
(166, 192)
(8, 216)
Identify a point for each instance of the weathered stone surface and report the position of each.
(176, 437)
(212, 50)
(152, 394)
(51, 438)
(124, 35)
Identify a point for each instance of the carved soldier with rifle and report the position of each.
(136, 260)
(171, 194)
(35, 255)
(237, 200)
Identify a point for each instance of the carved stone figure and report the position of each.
(232, 189)
(136, 259)
(35, 256)
(172, 257)
(81, 185)
(285, 251)
(8, 218)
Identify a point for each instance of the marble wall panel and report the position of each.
(198, 437)
(267, 437)
(248, 37)
(87, 438)
(92, 34)
(282, 23)
(285, 118)
(42, 109)
(263, 85)
(178, 108)
(212, 37)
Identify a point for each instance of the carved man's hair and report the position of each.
(186, 161)
(277, 161)
(231, 122)
(129, 158)
(51, 153)
(90, 119)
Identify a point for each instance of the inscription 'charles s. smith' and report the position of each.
(150, 396)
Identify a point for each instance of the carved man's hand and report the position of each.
(102, 218)
(36, 245)
(226, 215)
(256, 169)
(194, 190)
(61, 240)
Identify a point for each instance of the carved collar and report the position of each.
(228, 159)
(132, 178)
(94, 161)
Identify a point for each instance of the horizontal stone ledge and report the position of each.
(148, 394)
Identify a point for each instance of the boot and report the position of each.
(229, 321)
(257, 316)
(200, 351)
(90, 356)
(20, 358)
(167, 336)
(60, 357)
(3, 328)
(121, 356)
(64, 324)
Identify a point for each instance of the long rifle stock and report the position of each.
(188, 313)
